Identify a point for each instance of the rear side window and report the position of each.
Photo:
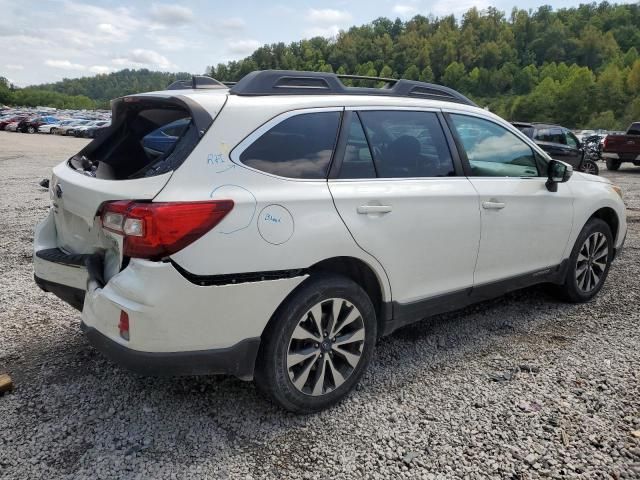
(407, 144)
(552, 135)
(298, 147)
(634, 129)
(528, 131)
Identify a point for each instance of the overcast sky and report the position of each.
(47, 40)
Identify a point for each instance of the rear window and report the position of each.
(147, 137)
(298, 147)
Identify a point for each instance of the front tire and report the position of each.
(318, 344)
(590, 167)
(613, 165)
(31, 130)
(589, 262)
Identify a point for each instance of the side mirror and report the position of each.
(557, 172)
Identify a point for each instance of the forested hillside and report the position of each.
(89, 92)
(107, 86)
(577, 66)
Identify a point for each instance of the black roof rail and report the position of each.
(196, 82)
(290, 82)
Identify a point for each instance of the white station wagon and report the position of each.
(290, 221)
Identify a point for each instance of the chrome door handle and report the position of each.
(365, 209)
(491, 205)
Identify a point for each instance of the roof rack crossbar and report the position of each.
(196, 82)
(290, 82)
(365, 77)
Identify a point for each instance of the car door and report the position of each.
(553, 140)
(396, 186)
(525, 227)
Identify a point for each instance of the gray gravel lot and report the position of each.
(520, 387)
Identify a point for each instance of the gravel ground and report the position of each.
(521, 387)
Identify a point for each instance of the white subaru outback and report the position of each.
(280, 226)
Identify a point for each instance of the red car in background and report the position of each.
(617, 149)
(31, 125)
(6, 121)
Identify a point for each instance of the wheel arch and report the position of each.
(359, 272)
(610, 217)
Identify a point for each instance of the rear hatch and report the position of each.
(123, 164)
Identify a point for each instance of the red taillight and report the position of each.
(606, 141)
(157, 230)
(123, 325)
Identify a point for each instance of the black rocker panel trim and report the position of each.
(407, 313)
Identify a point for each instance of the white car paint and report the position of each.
(434, 238)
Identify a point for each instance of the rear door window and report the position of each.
(407, 144)
(300, 146)
(357, 161)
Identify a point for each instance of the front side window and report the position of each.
(492, 150)
(407, 144)
(571, 139)
(298, 147)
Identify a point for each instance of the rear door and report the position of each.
(398, 189)
(525, 227)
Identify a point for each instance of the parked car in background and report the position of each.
(51, 127)
(297, 220)
(31, 125)
(560, 143)
(70, 129)
(12, 127)
(95, 132)
(10, 119)
(82, 130)
(617, 149)
(162, 139)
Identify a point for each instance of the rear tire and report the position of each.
(589, 263)
(613, 165)
(31, 130)
(590, 167)
(317, 345)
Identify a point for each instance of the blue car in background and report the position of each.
(161, 140)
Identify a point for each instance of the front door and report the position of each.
(525, 227)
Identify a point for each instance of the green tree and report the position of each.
(412, 73)
(454, 75)
(610, 90)
(633, 79)
(605, 120)
(5, 91)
